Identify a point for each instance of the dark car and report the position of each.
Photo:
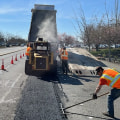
(7, 45)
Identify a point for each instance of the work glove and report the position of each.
(94, 96)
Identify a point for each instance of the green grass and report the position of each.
(115, 53)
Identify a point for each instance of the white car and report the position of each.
(22, 45)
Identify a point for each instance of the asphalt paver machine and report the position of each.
(41, 58)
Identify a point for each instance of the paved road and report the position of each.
(12, 82)
(26, 97)
(77, 88)
(39, 98)
(7, 50)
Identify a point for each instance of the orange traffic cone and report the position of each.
(12, 60)
(2, 66)
(16, 58)
(20, 56)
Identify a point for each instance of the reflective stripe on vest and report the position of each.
(64, 56)
(112, 79)
(115, 80)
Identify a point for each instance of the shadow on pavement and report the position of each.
(84, 78)
(45, 76)
(48, 77)
(74, 79)
(84, 60)
(65, 79)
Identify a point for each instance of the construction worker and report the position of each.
(110, 78)
(64, 58)
(28, 51)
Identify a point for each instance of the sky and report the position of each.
(15, 15)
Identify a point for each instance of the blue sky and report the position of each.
(15, 15)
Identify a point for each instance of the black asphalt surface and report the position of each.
(39, 100)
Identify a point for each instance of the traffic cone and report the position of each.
(16, 58)
(20, 56)
(12, 60)
(2, 66)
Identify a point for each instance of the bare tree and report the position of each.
(102, 31)
(116, 23)
(112, 27)
(89, 33)
(1, 37)
(65, 39)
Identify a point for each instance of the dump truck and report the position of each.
(43, 38)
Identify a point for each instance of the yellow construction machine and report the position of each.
(41, 58)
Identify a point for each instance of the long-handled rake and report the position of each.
(64, 109)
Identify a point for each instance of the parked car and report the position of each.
(7, 45)
(22, 45)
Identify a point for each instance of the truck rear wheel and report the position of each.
(28, 68)
(53, 68)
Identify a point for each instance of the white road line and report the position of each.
(5, 95)
(11, 100)
(90, 117)
(16, 80)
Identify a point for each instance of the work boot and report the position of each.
(107, 114)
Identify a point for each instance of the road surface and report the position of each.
(78, 87)
(26, 97)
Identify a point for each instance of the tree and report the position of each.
(101, 31)
(84, 29)
(65, 39)
(1, 37)
(112, 31)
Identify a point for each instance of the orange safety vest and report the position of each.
(64, 55)
(112, 77)
(28, 51)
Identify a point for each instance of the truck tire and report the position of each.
(53, 68)
(28, 68)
